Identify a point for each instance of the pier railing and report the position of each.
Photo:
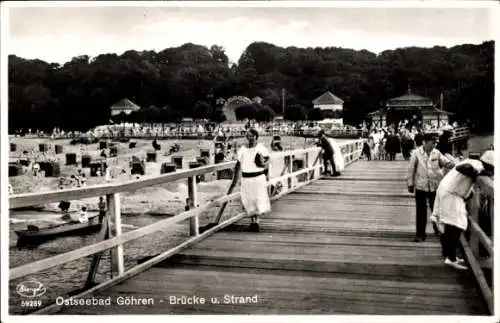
(460, 133)
(478, 242)
(289, 178)
(208, 135)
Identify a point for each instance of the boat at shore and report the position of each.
(34, 235)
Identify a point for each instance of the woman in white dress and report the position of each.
(252, 160)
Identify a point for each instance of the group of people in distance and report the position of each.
(445, 184)
(386, 143)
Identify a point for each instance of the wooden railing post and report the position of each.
(312, 164)
(491, 210)
(290, 170)
(473, 213)
(306, 165)
(194, 224)
(115, 212)
(94, 266)
(109, 233)
(484, 220)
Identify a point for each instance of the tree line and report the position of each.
(189, 80)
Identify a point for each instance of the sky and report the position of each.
(57, 34)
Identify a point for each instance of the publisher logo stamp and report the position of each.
(31, 289)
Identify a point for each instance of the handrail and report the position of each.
(76, 254)
(460, 133)
(478, 237)
(63, 258)
(235, 133)
(27, 199)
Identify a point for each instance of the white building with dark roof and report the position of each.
(331, 107)
(124, 106)
(328, 101)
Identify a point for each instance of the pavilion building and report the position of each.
(411, 107)
(330, 105)
(124, 106)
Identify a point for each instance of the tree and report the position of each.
(264, 113)
(202, 110)
(78, 94)
(218, 115)
(295, 112)
(219, 54)
(245, 111)
(254, 111)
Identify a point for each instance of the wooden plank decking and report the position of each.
(337, 246)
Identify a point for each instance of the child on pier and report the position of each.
(253, 159)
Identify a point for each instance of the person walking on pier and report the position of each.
(418, 138)
(253, 160)
(366, 151)
(393, 145)
(407, 144)
(450, 209)
(424, 175)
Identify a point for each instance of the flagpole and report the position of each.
(283, 102)
(441, 99)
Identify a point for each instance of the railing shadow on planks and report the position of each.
(477, 243)
(282, 164)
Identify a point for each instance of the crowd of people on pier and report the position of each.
(385, 143)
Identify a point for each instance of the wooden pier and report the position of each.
(331, 245)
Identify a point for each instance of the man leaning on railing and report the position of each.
(328, 153)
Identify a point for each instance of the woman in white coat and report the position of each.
(449, 206)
